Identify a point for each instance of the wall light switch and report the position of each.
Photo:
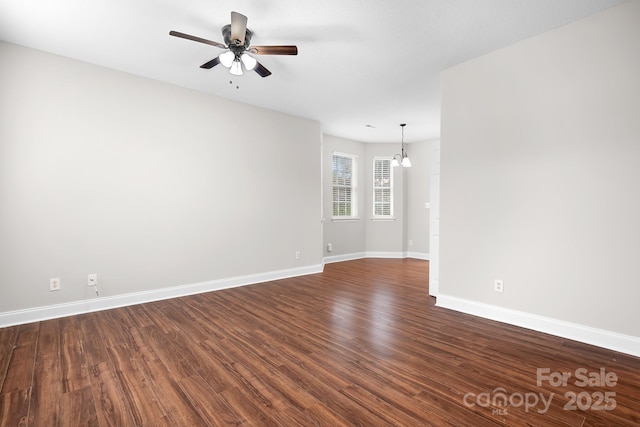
(92, 280)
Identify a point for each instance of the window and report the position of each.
(344, 186)
(382, 188)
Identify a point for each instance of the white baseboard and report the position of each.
(573, 331)
(360, 255)
(345, 257)
(384, 254)
(37, 314)
(417, 255)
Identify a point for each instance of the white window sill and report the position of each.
(345, 219)
(383, 218)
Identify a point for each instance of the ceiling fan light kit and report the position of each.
(248, 61)
(236, 68)
(237, 40)
(226, 58)
(401, 159)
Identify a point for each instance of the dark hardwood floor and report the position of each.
(360, 344)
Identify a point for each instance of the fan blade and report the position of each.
(274, 50)
(238, 27)
(262, 70)
(207, 65)
(197, 39)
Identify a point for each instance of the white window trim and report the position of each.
(375, 217)
(354, 187)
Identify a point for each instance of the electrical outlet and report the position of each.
(498, 285)
(298, 256)
(54, 284)
(329, 247)
(92, 280)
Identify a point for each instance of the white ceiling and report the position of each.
(360, 62)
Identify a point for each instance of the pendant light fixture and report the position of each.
(401, 159)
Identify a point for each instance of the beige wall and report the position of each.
(162, 190)
(146, 184)
(417, 193)
(346, 237)
(383, 236)
(541, 172)
(366, 237)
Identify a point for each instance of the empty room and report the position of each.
(344, 213)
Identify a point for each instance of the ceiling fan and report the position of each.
(237, 40)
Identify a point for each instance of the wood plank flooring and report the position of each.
(361, 344)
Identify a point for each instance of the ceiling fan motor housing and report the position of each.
(234, 45)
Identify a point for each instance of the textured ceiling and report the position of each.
(360, 62)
